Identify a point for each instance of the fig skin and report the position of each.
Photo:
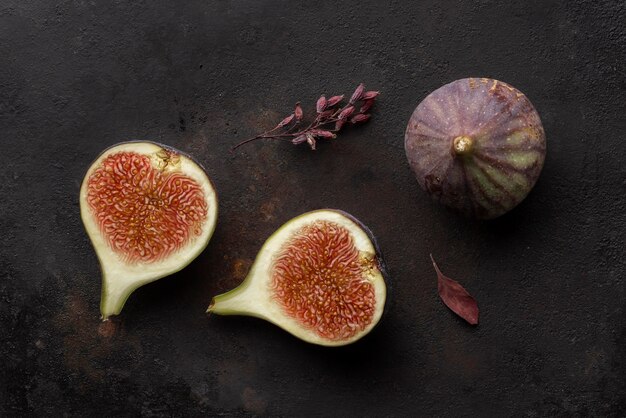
(476, 145)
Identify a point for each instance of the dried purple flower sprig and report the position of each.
(330, 118)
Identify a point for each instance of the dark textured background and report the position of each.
(78, 76)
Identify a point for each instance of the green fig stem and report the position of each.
(110, 307)
(233, 302)
(114, 298)
(463, 145)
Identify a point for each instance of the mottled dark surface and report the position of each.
(78, 76)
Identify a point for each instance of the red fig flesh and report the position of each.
(326, 280)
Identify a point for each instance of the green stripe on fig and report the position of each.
(514, 183)
(488, 188)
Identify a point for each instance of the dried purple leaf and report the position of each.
(346, 113)
(320, 133)
(326, 114)
(358, 93)
(298, 140)
(456, 297)
(360, 118)
(367, 105)
(334, 100)
(298, 111)
(311, 141)
(285, 121)
(370, 95)
(321, 104)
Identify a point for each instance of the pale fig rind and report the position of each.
(126, 267)
(356, 276)
(476, 145)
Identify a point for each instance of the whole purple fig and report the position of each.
(477, 146)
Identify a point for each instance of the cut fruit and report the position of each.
(149, 210)
(476, 145)
(319, 277)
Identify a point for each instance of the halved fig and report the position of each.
(477, 145)
(149, 210)
(320, 277)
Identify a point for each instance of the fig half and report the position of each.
(320, 277)
(477, 145)
(149, 210)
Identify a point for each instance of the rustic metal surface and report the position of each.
(78, 76)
